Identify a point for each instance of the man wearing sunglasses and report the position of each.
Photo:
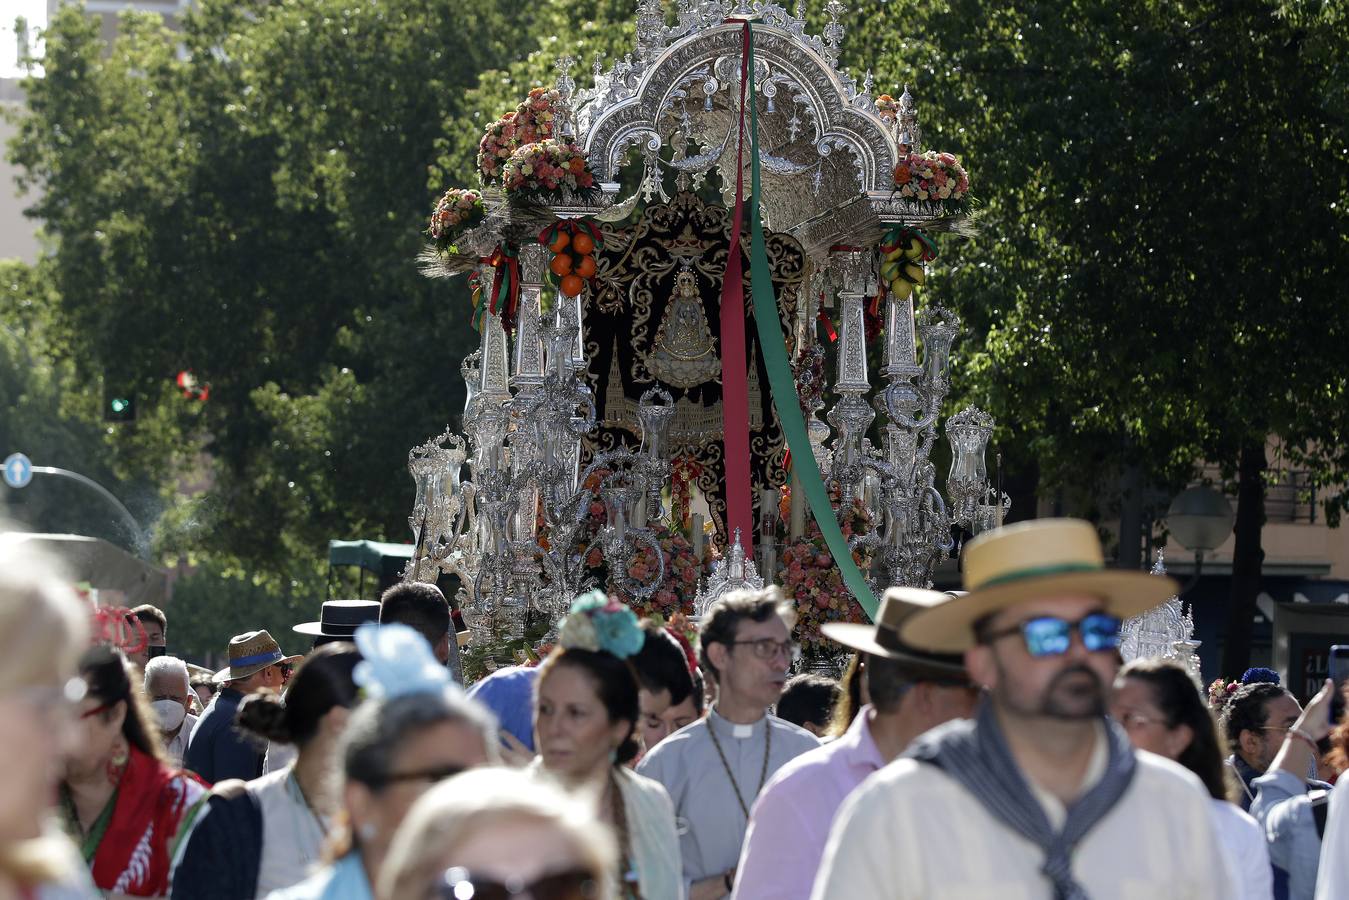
(910, 692)
(1039, 795)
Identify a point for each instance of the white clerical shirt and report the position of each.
(911, 832)
(708, 815)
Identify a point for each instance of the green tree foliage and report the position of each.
(1163, 187)
(1159, 277)
(48, 413)
(245, 199)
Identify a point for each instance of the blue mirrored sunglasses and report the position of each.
(1052, 636)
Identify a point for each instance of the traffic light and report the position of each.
(119, 407)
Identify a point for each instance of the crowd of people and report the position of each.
(985, 743)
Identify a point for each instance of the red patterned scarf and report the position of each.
(135, 853)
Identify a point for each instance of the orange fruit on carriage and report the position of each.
(583, 243)
(560, 242)
(586, 267)
(572, 285)
(561, 265)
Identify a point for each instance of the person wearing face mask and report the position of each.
(170, 694)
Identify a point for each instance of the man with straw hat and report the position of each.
(1039, 795)
(911, 691)
(216, 750)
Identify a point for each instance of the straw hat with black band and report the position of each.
(882, 638)
(250, 653)
(1029, 561)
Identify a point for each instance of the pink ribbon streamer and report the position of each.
(734, 363)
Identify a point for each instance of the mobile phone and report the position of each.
(1339, 673)
(154, 650)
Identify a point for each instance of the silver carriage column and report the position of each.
(912, 521)
(851, 416)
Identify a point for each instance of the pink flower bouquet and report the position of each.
(456, 212)
(546, 167)
(932, 176)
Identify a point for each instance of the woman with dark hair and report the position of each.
(415, 728)
(852, 697)
(268, 834)
(1163, 712)
(123, 804)
(585, 724)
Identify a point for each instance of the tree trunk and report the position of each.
(1246, 560)
(1130, 555)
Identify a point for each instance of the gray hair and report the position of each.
(166, 666)
(378, 727)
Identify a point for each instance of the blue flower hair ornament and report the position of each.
(396, 661)
(1260, 675)
(598, 623)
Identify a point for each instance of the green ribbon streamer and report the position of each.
(1041, 572)
(785, 398)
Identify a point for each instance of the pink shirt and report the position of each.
(790, 822)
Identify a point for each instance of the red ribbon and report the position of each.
(505, 295)
(734, 363)
(827, 322)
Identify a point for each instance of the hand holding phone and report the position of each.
(1339, 673)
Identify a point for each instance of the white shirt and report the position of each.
(1242, 843)
(911, 832)
(177, 745)
(1332, 878)
(710, 819)
(292, 835)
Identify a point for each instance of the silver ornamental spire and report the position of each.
(733, 572)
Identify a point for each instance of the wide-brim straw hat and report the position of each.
(883, 639)
(251, 652)
(340, 618)
(1029, 561)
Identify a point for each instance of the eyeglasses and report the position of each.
(97, 710)
(55, 701)
(767, 648)
(432, 775)
(572, 884)
(1052, 636)
(1132, 720)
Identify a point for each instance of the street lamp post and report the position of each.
(20, 479)
(1200, 519)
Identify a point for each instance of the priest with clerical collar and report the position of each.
(715, 768)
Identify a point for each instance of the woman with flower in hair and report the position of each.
(414, 728)
(585, 721)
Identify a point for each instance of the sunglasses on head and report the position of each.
(1052, 636)
(572, 884)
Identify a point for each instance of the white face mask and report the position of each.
(171, 714)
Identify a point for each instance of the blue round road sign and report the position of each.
(18, 470)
